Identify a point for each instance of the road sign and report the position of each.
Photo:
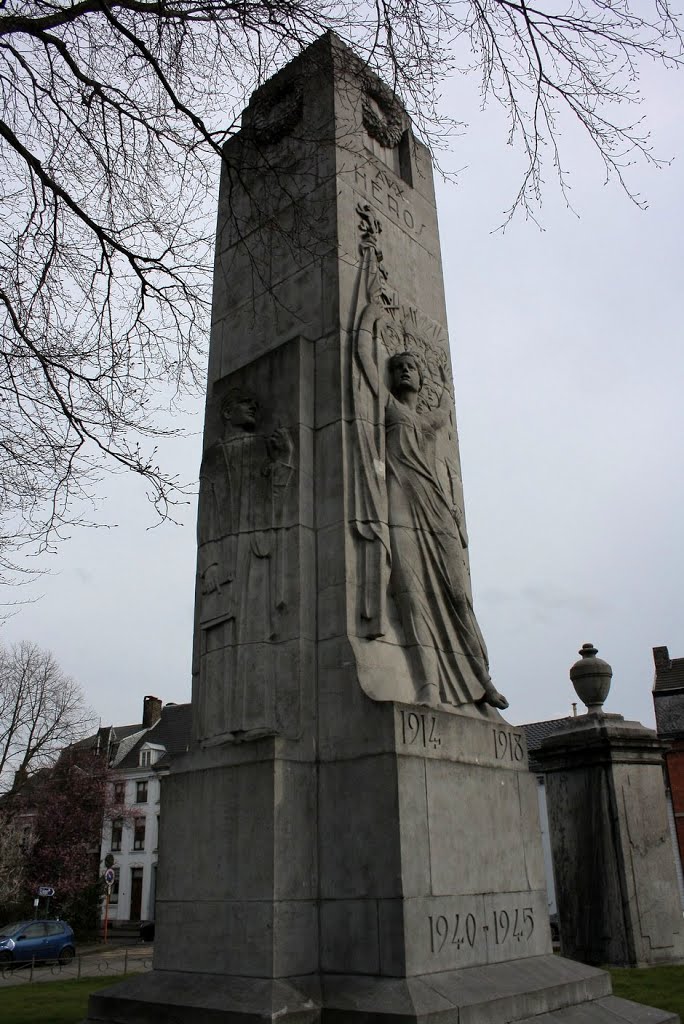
(46, 890)
(109, 876)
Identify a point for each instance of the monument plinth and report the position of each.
(616, 881)
(354, 833)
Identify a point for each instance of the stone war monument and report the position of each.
(353, 835)
(613, 859)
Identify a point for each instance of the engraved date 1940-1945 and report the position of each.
(420, 728)
(459, 930)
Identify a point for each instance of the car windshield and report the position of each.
(10, 929)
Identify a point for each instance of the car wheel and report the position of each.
(6, 961)
(66, 956)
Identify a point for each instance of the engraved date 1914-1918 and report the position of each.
(462, 929)
(508, 746)
(419, 728)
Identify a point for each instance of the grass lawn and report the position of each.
(50, 1002)
(656, 986)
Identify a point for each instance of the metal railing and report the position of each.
(90, 965)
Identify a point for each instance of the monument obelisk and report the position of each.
(354, 833)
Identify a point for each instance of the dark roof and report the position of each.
(536, 733)
(27, 787)
(105, 736)
(122, 731)
(669, 672)
(172, 732)
(112, 741)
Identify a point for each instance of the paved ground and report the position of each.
(90, 962)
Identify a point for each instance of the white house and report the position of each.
(139, 757)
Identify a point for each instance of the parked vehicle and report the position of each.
(22, 942)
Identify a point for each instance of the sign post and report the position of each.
(109, 877)
(44, 892)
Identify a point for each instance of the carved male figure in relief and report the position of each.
(406, 515)
(244, 478)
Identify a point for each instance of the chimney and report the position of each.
(661, 659)
(152, 709)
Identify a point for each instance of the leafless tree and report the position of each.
(12, 857)
(41, 711)
(581, 59)
(114, 114)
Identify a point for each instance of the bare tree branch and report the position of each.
(12, 858)
(41, 712)
(115, 113)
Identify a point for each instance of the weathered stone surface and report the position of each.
(432, 868)
(616, 886)
(542, 988)
(204, 998)
(256, 549)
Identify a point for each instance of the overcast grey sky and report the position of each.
(568, 366)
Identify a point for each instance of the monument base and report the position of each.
(547, 988)
(289, 898)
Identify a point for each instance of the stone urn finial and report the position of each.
(591, 678)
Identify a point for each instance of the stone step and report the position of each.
(535, 990)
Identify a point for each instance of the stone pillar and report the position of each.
(354, 833)
(616, 885)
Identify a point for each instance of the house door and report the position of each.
(136, 893)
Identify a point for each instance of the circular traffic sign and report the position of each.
(109, 876)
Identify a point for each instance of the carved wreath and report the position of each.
(383, 116)
(275, 114)
(415, 332)
(429, 341)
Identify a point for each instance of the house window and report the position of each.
(141, 792)
(117, 832)
(145, 758)
(114, 891)
(119, 792)
(139, 834)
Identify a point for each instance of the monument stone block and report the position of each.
(617, 891)
(353, 834)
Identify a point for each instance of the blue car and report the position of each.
(24, 941)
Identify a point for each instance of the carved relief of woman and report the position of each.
(407, 520)
(428, 577)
